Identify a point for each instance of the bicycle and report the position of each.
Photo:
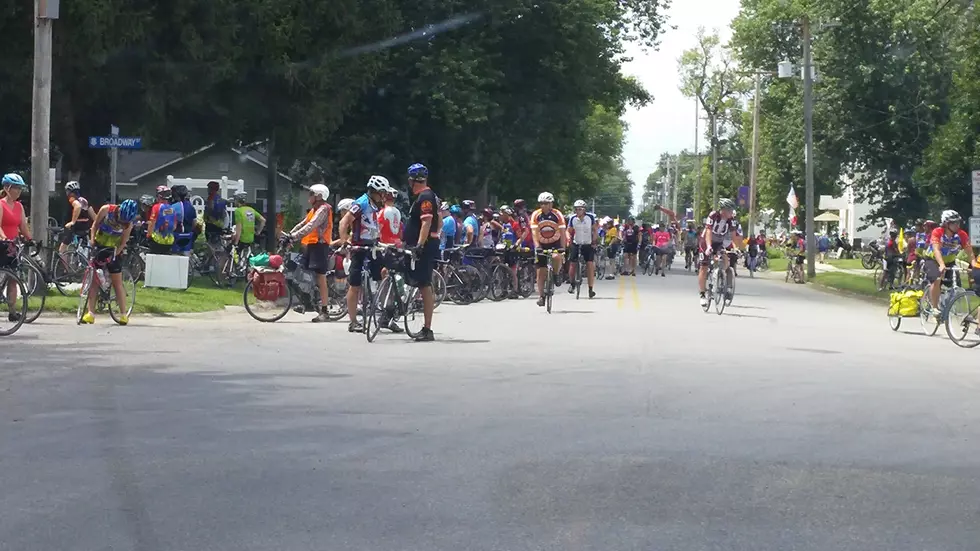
(368, 308)
(294, 287)
(964, 306)
(885, 279)
(794, 269)
(33, 278)
(65, 268)
(716, 280)
(404, 296)
(549, 282)
(95, 274)
(16, 313)
(931, 317)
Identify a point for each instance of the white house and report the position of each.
(852, 213)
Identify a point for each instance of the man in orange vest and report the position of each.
(316, 233)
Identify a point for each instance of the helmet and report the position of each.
(893, 231)
(580, 204)
(496, 216)
(72, 187)
(378, 183)
(345, 204)
(656, 227)
(546, 197)
(930, 224)
(163, 191)
(488, 212)
(455, 210)
(241, 197)
(320, 191)
(275, 261)
(128, 210)
(418, 172)
(469, 205)
(726, 204)
(13, 180)
(444, 206)
(950, 216)
(212, 185)
(796, 232)
(147, 200)
(507, 210)
(179, 191)
(519, 203)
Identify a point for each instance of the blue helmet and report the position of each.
(13, 180)
(418, 172)
(128, 210)
(455, 210)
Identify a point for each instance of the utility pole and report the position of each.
(677, 171)
(753, 177)
(697, 153)
(811, 238)
(271, 213)
(46, 11)
(714, 161)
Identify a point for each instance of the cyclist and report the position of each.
(488, 227)
(471, 226)
(360, 227)
(13, 224)
(248, 222)
(945, 243)
(690, 244)
(583, 234)
(215, 211)
(343, 207)
(892, 257)
(611, 241)
(524, 236)
(548, 227)
(718, 226)
(631, 243)
(316, 233)
(186, 217)
(82, 215)
(162, 223)
(110, 233)
(448, 235)
(646, 246)
(663, 244)
(510, 237)
(796, 246)
(390, 220)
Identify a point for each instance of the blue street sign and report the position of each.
(106, 142)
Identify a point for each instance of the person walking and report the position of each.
(423, 234)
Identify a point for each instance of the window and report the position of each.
(223, 168)
(260, 201)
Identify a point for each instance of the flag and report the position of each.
(791, 198)
(792, 217)
(901, 240)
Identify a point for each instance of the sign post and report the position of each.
(975, 219)
(113, 142)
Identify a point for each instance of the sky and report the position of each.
(667, 123)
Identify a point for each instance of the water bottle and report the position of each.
(104, 281)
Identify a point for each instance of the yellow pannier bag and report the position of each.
(904, 303)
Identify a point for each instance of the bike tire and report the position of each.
(929, 319)
(549, 293)
(438, 287)
(129, 287)
(720, 302)
(36, 288)
(278, 315)
(369, 311)
(526, 280)
(62, 272)
(868, 261)
(731, 287)
(414, 308)
(708, 294)
(83, 291)
(579, 268)
(6, 277)
(499, 283)
(957, 330)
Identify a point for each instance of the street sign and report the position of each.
(976, 182)
(976, 204)
(119, 142)
(975, 231)
(743, 197)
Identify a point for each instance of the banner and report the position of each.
(743, 197)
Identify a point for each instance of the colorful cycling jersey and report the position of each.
(611, 235)
(582, 228)
(550, 226)
(389, 225)
(949, 245)
(690, 238)
(244, 218)
(631, 234)
(83, 216)
(110, 230)
(470, 222)
(365, 220)
(524, 225)
(797, 248)
(448, 232)
(721, 227)
(509, 235)
(486, 235)
(661, 239)
(921, 241)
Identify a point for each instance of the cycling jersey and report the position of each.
(471, 222)
(631, 234)
(524, 225)
(110, 230)
(366, 229)
(486, 235)
(389, 225)
(721, 227)
(690, 238)
(949, 245)
(509, 235)
(611, 235)
(83, 217)
(448, 232)
(214, 211)
(661, 239)
(549, 225)
(582, 229)
(244, 218)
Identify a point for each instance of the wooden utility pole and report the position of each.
(271, 195)
(46, 11)
(697, 153)
(811, 238)
(753, 177)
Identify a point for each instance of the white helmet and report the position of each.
(950, 216)
(345, 204)
(580, 204)
(546, 197)
(378, 183)
(320, 191)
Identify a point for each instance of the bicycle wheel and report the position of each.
(266, 311)
(414, 310)
(894, 322)
(369, 311)
(438, 287)
(961, 319)
(880, 276)
(708, 294)
(579, 268)
(337, 301)
(868, 261)
(720, 301)
(129, 288)
(13, 311)
(526, 279)
(87, 278)
(35, 287)
(499, 283)
(730, 295)
(927, 316)
(66, 269)
(549, 289)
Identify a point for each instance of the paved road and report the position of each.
(797, 420)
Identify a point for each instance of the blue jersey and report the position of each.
(471, 222)
(366, 228)
(448, 232)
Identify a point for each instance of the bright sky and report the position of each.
(667, 124)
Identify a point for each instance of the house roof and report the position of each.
(136, 164)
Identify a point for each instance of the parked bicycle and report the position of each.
(288, 284)
(96, 279)
(13, 294)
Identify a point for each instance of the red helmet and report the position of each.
(488, 212)
(275, 262)
(518, 203)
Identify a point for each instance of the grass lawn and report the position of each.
(847, 263)
(852, 283)
(201, 296)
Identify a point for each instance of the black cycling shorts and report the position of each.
(421, 276)
(316, 258)
(588, 253)
(78, 229)
(541, 260)
(357, 258)
(612, 250)
(630, 248)
(113, 266)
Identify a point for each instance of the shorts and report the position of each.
(612, 251)
(316, 258)
(158, 248)
(630, 248)
(588, 253)
(704, 258)
(421, 276)
(541, 261)
(213, 233)
(79, 230)
(357, 259)
(113, 266)
(931, 269)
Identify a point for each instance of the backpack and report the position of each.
(165, 225)
(218, 211)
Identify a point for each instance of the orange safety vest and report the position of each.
(319, 235)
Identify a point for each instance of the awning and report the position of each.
(827, 217)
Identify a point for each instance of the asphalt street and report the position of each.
(797, 420)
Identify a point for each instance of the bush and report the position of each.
(775, 253)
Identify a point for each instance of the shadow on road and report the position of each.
(572, 312)
(746, 307)
(733, 314)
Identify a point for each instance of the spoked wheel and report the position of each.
(526, 278)
(868, 261)
(579, 268)
(369, 311)
(267, 311)
(337, 302)
(894, 322)
(129, 287)
(730, 295)
(708, 295)
(36, 287)
(549, 291)
(438, 287)
(927, 316)
(414, 312)
(499, 283)
(720, 301)
(962, 319)
(13, 310)
(87, 278)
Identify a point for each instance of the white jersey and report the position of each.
(582, 228)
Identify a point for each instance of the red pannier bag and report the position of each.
(268, 285)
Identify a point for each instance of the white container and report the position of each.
(166, 271)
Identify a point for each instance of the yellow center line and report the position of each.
(621, 293)
(636, 296)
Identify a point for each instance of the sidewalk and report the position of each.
(823, 267)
